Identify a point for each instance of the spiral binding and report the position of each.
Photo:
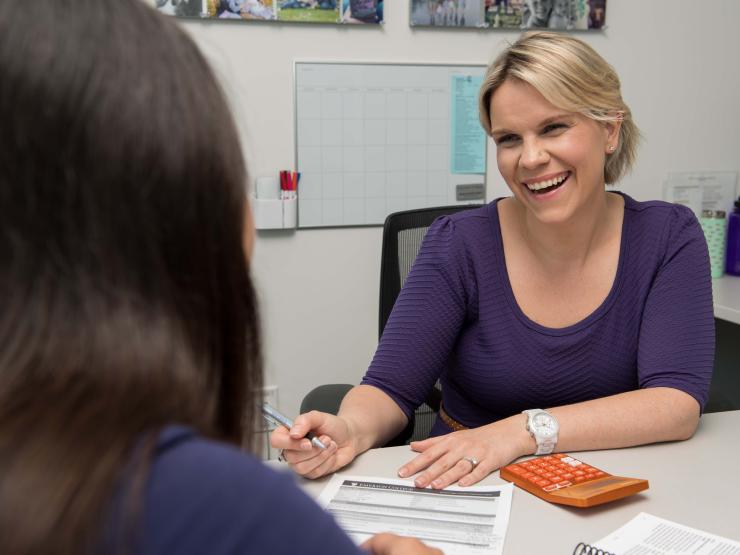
(586, 549)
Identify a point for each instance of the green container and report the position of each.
(714, 225)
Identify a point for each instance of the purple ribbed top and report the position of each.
(456, 319)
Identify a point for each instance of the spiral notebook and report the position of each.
(587, 549)
(649, 534)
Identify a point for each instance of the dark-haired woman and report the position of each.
(129, 346)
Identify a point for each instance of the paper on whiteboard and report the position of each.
(468, 139)
(459, 521)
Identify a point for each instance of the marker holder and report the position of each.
(269, 210)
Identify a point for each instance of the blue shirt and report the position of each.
(203, 496)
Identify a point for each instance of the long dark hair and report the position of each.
(125, 297)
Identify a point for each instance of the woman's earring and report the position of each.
(612, 148)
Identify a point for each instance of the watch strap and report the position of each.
(545, 446)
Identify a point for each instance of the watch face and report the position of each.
(544, 425)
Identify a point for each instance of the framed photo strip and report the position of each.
(363, 12)
(510, 14)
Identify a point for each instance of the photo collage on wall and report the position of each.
(510, 14)
(369, 12)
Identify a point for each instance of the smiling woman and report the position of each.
(543, 152)
(563, 295)
(569, 74)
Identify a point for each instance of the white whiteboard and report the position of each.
(373, 139)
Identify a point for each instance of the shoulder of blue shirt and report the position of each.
(206, 496)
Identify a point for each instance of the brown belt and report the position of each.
(451, 422)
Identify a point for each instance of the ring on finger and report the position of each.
(472, 460)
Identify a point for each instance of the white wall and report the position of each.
(678, 60)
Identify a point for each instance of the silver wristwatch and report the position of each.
(543, 427)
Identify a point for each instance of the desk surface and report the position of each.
(726, 291)
(694, 482)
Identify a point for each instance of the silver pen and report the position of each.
(274, 416)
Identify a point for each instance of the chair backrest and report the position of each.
(403, 234)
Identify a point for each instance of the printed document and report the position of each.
(649, 535)
(468, 144)
(459, 521)
(701, 190)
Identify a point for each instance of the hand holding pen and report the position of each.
(276, 417)
(301, 454)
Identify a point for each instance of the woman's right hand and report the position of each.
(310, 461)
(390, 544)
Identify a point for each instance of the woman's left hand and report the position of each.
(468, 456)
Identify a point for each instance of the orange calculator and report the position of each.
(563, 479)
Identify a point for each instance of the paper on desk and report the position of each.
(649, 535)
(459, 521)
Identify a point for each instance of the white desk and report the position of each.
(726, 292)
(695, 482)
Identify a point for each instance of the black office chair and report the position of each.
(724, 393)
(403, 233)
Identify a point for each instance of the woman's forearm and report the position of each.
(639, 417)
(372, 416)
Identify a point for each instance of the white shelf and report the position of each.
(727, 298)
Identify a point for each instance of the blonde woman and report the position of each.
(563, 317)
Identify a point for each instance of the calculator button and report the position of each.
(551, 487)
(578, 479)
(564, 483)
(568, 476)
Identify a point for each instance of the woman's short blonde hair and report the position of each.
(573, 77)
